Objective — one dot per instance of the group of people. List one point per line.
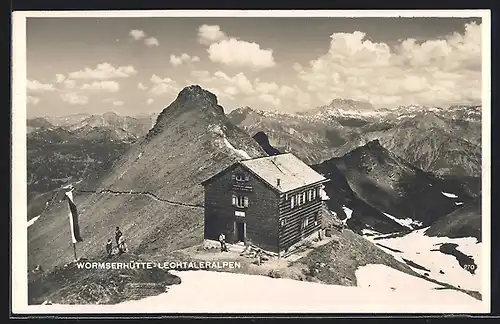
(120, 242)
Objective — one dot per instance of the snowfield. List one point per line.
(418, 247)
(380, 289)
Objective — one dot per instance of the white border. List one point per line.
(19, 198)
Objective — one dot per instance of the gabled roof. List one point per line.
(290, 170)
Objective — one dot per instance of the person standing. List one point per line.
(222, 240)
(109, 247)
(118, 233)
(122, 246)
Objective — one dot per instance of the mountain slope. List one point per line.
(463, 222)
(191, 140)
(385, 193)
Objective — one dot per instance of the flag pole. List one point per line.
(74, 250)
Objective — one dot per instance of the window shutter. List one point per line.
(246, 201)
(233, 176)
(234, 200)
(292, 202)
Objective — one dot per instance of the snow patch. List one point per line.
(366, 231)
(459, 203)
(218, 130)
(406, 222)
(323, 194)
(33, 220)
(416, 247)
(449, 195)
(348, 213)
(240, 152)
(380, 289)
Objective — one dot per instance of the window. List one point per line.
(241, 177)
(316, 218)
(240, 201)
(304, 197)
(305, 222)
(292, 202)
(310, 192)
(283, 222)
(314, 192)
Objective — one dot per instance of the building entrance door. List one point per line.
(240, 231)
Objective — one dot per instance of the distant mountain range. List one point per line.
(444, 141)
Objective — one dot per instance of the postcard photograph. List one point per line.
(251, 162)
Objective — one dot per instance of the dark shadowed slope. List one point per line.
(263, 140)
(463, 222)
(400, 192)
(191, 140)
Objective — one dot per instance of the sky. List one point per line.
(138, 65)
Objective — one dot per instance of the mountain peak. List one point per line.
(192, 99)
(195, 92)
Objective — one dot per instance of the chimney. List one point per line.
(278, 182)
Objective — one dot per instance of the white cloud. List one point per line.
(151, 41)
(60, 78)
(142, 86)
(438, 72)
(150, 101)
(110, 86)
(238, 89)
(141, 35)
(208, 34)
(270, 99)
(297, 67)
(238, 53)
(183, 58)
(104, 71)
(163, 85)
(240, 81)
(118, 103)
(37, 86)
(137, 34)
(33, 100)
(74, 98)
